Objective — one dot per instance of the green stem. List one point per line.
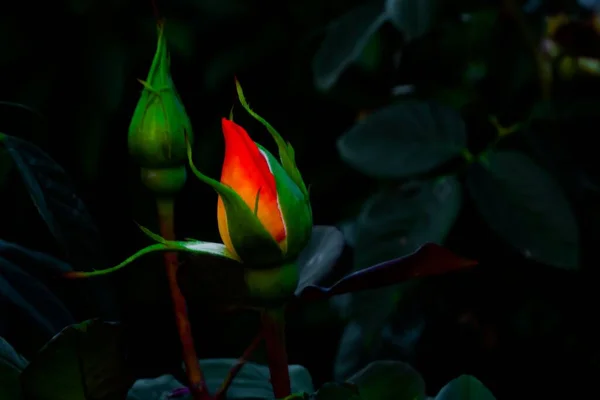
(273, 331)
(196, 382)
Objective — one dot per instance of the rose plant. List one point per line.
(266, 225)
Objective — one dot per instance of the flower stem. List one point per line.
(196, 382)
(222, 392)
(273, 330)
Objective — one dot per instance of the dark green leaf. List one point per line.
(321, 253)
(389, 380)
(31, 307)
(395, 222)
(345, 40)
(403, 140)
(465, 387)
(83, 362)
(11, 366)
(252, 382)
(525, 206)
(54, 197)
(392, 224)
(414, 18)
(35, 274)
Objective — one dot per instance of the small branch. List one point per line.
(222, 392)
(196, 383)
(273, 330)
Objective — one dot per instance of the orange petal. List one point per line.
(245, 170)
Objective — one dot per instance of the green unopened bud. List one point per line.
(158, 129)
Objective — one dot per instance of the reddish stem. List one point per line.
(222, 392)
(273, 330)
(196, 382)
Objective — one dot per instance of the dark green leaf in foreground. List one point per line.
(465, 387)
(54, 197)
(83, 362)
(389, 380)
(404, 140)
(30, 307)
(523, 204)
(345, 40)
(11, 366)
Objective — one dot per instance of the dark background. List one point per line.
(523, 326)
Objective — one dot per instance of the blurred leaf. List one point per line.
(430, 259)
(321, 253)
(414, 18)
(353, 347)
(392, 224)
(404, 140)
(33, 307)
(395, 222)
(389, 380)
(252, 382)
(345, 41)
(525, 206)
(11, 366)
(83, 298)
(83, 362)
(54, 197)
(465, 387)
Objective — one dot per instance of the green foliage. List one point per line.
(83, 362)
(523, 204)
(463, 123)
(404, 140)
(346, 38)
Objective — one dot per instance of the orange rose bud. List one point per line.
(246, 170)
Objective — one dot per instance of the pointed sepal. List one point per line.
(286, 151)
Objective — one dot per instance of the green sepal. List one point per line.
(295, 208)
(286, 151)
(196, 247)
(252, 242)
